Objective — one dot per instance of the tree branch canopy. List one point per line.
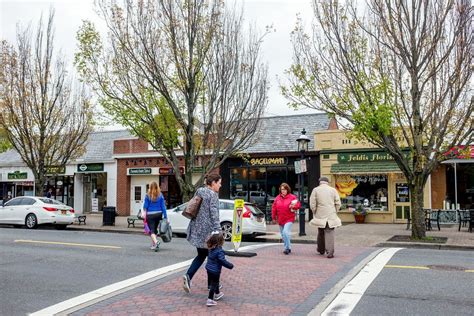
(183, 75)
(45, 117)
(398, 73)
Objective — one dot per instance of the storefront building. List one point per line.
(87, 183)
(138, 165)
(16, 181)
(270, 160)
(365, 176)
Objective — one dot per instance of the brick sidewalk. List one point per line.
(269, 284)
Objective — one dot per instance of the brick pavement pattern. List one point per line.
(269, 284)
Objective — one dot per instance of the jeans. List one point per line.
(197, 262)
(285, 232)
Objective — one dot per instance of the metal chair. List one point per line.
(464, 217)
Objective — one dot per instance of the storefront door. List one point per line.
(137, 198)
(402, 206)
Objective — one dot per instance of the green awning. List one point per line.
(365, 168)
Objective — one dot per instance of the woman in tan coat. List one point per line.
(325, 202)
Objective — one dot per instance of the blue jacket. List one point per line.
(156, 206)
(216, 259)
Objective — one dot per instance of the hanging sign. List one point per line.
(237, 223)
(402, 192)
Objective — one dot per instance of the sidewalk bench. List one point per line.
(80, 218)
(132, 218)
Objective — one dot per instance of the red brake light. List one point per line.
(50, 209)
(246, 213)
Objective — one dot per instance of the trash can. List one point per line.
(108, 216)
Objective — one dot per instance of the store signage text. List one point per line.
(364, 157)
(133, 171)
(53, 170)
(90, 167)
(17, 175)
(268, 161)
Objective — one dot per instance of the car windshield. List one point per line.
(50, 201)
(255, 210)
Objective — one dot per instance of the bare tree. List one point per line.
(45, 118)
(181, 75)
(399, 74)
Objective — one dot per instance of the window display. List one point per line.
(368, 191)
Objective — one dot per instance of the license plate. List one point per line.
(63, 212)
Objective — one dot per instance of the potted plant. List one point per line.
(359, 214)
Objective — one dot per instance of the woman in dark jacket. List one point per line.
(206, 222)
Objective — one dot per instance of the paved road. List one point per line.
(36, 275)
(411, 289)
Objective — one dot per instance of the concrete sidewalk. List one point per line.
(351, 235)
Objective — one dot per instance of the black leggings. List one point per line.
(213, 280)
(153, 221)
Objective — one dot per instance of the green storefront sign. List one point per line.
(134, 171)
(17, 175)
(363, 157)
(90, 167)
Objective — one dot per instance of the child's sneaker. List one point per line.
(218, 296)
(211, 302)
(186, 283)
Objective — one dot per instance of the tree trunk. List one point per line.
(418, 214)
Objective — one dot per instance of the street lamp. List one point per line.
(303, 142)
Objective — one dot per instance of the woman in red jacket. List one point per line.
(283, 210)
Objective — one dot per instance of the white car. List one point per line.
(32, 211)
(253, 219)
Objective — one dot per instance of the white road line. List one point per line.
(122, 285)
(350, 295)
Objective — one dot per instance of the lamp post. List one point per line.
(303, 142)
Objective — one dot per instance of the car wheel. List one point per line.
(31, 221)
(227, 230)
(61, 227)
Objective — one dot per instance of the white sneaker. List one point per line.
(218, 296)
(186, 284)
(211, 302)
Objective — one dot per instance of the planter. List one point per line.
(359, 218)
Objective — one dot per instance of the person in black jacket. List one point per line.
(215, 261)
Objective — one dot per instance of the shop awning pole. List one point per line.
(455, 188)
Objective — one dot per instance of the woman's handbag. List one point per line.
(165, 230)
(192, 208)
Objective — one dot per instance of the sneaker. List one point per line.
(187, 284)
(218, 296)
(286, 252)
(156, 246)
(211, 302)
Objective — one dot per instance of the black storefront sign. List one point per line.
(54, 170)
(402, 192)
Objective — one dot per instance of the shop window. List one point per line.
(325, 156)
(138, 193)
(368, 191)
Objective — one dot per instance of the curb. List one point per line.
(424, 246)
(257, 239)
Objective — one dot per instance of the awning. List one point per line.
(458, 161)
(365, 168)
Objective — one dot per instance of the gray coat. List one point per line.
(207, 219)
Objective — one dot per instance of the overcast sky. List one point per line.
(277, 51)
